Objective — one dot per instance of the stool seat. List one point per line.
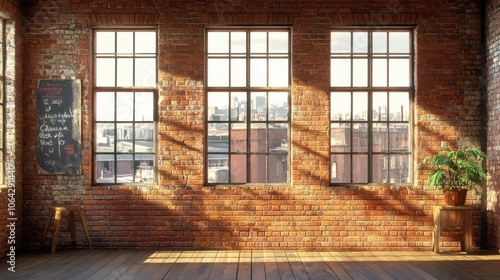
(56, 211)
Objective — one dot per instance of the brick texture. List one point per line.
(308, 213)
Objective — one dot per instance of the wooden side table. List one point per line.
(56, 211)
(453, 216)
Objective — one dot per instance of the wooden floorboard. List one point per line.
(79, 264)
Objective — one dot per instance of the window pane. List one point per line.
(278, 138)
(399, 72)
(278, 42)
(124, 106)
(400, 173)
(340, 134)
(145, 72)
(379, 168)
(259, 107)
(258, 42)
(379, 106)
(379, 72)
(218, 42)
(218, 142)
(380, 141)
(379, 42)
(258, 167)
(144, 133)
(218, 168)
(360, 168)
(239, 107)
(258, 136)
(218, 105)
(399, 42)
(238, 72)
(125, 42)
(278, 72)
(278, 106)
(145, 42)
(105, 42)
(238, 42)
(340, 72)
(105, 169)
(278, 168)
(105, 106)
(258, 72)
(105, 137)
(124, 169)
(218, 72)
(360, 73)
(340, 103)
(360, 106)
(398, 134)
(399, 106)
(238, 168)
(124, 137)
(105, 72)
(360, 137)
(341, 42)
(144, 106)
(360, 42)
(125, 72)
(238, 138)
(343, 165)
(144, 172)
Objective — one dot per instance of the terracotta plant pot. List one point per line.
(455, 197)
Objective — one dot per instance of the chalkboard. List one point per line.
(59, 126)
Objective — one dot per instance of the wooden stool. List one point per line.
(453, 216)
(56, 211)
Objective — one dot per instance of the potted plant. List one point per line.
(455, 172)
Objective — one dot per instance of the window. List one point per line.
(125, 93)
(248, 108)
(370, 105)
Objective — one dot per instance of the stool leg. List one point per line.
(72, 229)
(47, 225)
(84, 226)
(57, 224)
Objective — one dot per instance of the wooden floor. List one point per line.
(146, 264)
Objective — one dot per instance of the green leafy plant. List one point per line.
(455, 170)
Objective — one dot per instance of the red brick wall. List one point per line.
(180, 211)
(12, 236)
(493, 86)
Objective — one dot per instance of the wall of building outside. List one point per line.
(11, 223)
(493, 133)
(307, 213)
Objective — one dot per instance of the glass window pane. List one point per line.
(340, 106)
(278, 106)
(379, 168)
(238, 138)
(218, 168)
(379, 42)
(144, 135)
(105, 42)
(145, 42)
(380, 142)
(399, 106)
(278, 138)
(278, 72)
(124, 106)
(379, 72)
(360, 137)
(360, 72)
(399, 72)
(105, 137)
(145, 72)
(105, 106)
(399, 42)
(258, 167)
(259, 107)
(341, 42)
(258, 42)
(125, 42)
(239, 107)
(238, 42)
(125, 72)
(218, 42)
(238, 168)
(258, 72)
(400, 173)
(278, 168)
(218, 106)
(399, 137)
(124, 138)
(360, 106)
(218, 72)
(360, 169)
(340, 72)
(258, 138)
(340, 137)
(343, 168)
(278, 42)
(144, 106)
(379, 106)
(124, 169)
(105, 169)
(218, 142)
(105, 72)
(144, 172)
(238, 72)
(360, 42)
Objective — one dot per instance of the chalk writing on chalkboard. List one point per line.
(59, 128)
